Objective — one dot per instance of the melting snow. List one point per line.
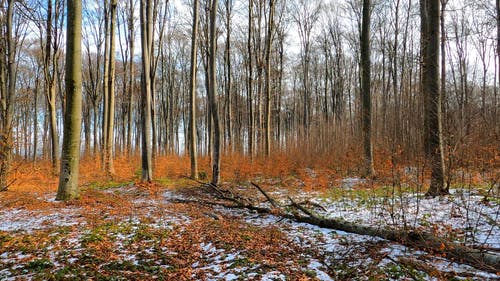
(24, 220)
(464, 213)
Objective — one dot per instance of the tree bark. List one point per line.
(268, 77)
(192, 96)
(430, 87)
(105, 84)
(366, 110)
(146, 30)
(68, 181)
(250, 80)
(35, 121)
(110, 112)
(8, 88)
(50, 86)
(131, 80)
(228, 78)
(212, 93)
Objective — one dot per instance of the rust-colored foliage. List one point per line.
(296, 168)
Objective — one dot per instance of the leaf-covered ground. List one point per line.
(155, 232)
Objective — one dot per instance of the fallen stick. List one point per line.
(483, 260)
(271, 200)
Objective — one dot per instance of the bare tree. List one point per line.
(159, 17)
(129, 71)
(212, 93)
(127, 55)
(109, 111)
(146, 43)
(105, 83)
(131, 80)
(269, 40)
(250, 80)
(228, 128)
(7, 92)
(93, 40)
(429, 13)
(365, 67)
(192, 95)
(50, 74)
(68, 181)
(305, 14)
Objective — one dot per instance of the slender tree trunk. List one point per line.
(306, 105)
(86, 128)
(50, 86)
(250, 79)
(268, 77)
(280, 87)
(430, 87)
(54, 136)
(192, 95)
(153, 65)
(131, 80)
(326, 49)
(105, 84)
(443, 76)
(229, 128)
(8, 87)
(35, 122)
(395, 88)
(146, 22)
(95, 109)
(110, 112)
(365, 90)
(212, 93)
(68, 181)
(154, 133)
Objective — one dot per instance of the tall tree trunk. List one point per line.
(68, 181)
(192, 95)
(8, 88)
(430, 86)
(110, 112)
(153, 66)
(443, 79)
(250, 79)
(365, 90)
(105, 84)
(228, 81)
(146, 34)
(131, 80)
(50, 86)
(268, 77)
(229, 128)
(212, 93)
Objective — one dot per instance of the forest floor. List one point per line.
(131, 231)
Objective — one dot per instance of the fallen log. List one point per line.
(477, 258)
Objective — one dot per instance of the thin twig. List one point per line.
(271, 200)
